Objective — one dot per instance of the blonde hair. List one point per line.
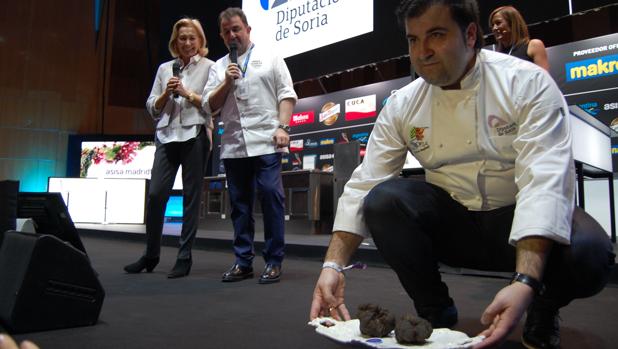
(187, 22)
(519, 28)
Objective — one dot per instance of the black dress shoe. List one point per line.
(271, 274)
(142, 263)
(237, 273)
(542, 328)
(180, 269)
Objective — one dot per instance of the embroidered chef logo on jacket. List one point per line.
(501, 127)
(417, 139)
(256, 63)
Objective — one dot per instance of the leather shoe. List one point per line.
(542, 328)
(237, 273)
(271, 274)
(180, 269)
(142, 263)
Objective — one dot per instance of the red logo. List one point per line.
(302, 118)
(296, 145)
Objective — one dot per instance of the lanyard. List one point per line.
(243, 68)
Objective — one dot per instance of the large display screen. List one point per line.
(587, 73)
(119, 159)
(291, 27)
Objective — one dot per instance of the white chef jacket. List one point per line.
(179, 120)
(504, 138)
(250, 112)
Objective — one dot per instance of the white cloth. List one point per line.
(179, 120)
(503, 138)
(250, 113)
(348, 332)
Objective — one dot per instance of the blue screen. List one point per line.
(174, 207)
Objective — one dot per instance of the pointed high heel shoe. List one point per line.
(181, 268)
(142, 263)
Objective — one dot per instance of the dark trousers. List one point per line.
(244, 176)
(415, 225)
(193, 156)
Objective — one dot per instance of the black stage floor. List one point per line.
(199, 311)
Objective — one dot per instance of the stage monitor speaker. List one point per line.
(46, 284)
(347, 159)
(50, 215)
(8, 206)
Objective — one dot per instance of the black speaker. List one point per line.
(46, 284)
(347, 159)
(8, 206)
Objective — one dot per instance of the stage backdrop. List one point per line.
(321, 121)
(587, 73)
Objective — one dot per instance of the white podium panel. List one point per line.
(591, 140)
(91, 200)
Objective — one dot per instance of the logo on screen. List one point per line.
(360, 108)
(362, 137)
(610, 106)
(591, 108)
(327, 141)
(592, 68)
(310, 143)
(296, 145)
(302, 118)
(276, 3)
(329, 113)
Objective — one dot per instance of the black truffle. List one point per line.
(412, 330)
(375, 321)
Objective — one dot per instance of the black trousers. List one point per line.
(415, 225)
(193, 156)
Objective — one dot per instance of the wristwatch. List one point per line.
(191, 97)
(535, 284)
(286, 128)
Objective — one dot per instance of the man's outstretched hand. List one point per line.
(504, 313)
(328, 296)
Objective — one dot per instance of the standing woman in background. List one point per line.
(511, 34)
(183, 137)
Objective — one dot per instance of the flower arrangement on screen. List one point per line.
(118, 152)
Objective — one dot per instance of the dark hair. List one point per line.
(463, 12)
(232, 12)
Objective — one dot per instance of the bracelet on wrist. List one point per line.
(333, 265)
(537, 286)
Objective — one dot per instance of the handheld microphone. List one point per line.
(234, 52)
(176, 73)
